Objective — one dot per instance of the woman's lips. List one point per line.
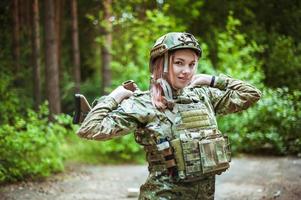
(183, 79)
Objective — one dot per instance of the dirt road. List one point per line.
(251, 178)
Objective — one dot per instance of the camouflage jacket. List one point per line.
(108, 119)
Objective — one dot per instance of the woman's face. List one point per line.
(183, 67)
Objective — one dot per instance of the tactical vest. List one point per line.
(197, 148)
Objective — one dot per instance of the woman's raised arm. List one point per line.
(108, 119)
(231, 95)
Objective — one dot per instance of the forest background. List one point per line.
(51, 49)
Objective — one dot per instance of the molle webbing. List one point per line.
(197, 124)
(191, 157)
(176, 144)
(155, 159)
(191, 113)
(194, 119)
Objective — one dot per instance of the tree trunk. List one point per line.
(106, 46)
(21, 14)
(57, 20)
(36, 54)
(51, 61)
(27, 16)
(75, 46)
(16, 37)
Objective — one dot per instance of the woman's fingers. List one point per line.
(120, 93)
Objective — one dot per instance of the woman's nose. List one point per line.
(186, 70)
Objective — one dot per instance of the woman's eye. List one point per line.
(179, 63)
(192, 65)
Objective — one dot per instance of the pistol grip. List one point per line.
(82, 108)
(76, 117)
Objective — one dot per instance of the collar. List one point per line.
(177, 93)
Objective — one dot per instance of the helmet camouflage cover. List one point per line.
(172, 41)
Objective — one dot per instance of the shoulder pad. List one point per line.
(200, 92)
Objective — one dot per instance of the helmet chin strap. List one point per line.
(165, 65)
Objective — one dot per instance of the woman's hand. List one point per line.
(120, 93)
(201, 79)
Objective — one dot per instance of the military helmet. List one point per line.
(172, 41)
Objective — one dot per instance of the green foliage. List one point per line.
(184, 11)
(119, 150)
(8, 97)
(131, 51)
(283, 66)
(75, 149)
(205, 65)
(33, 147)
(30, 146)
(236, 55)
(272, 126)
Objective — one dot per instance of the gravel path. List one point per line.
(251, 178)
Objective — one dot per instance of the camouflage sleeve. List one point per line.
(231, 95)
(107, 120)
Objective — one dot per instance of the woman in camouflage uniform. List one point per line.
(174, 121)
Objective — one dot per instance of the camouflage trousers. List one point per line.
(160, 188)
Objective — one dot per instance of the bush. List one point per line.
(283, 63)
(31, 146)
(8, 98)
(237, 56)
(272, 126)
(119, 150)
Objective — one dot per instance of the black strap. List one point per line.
(212, 81)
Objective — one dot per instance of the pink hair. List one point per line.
(157, 94)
